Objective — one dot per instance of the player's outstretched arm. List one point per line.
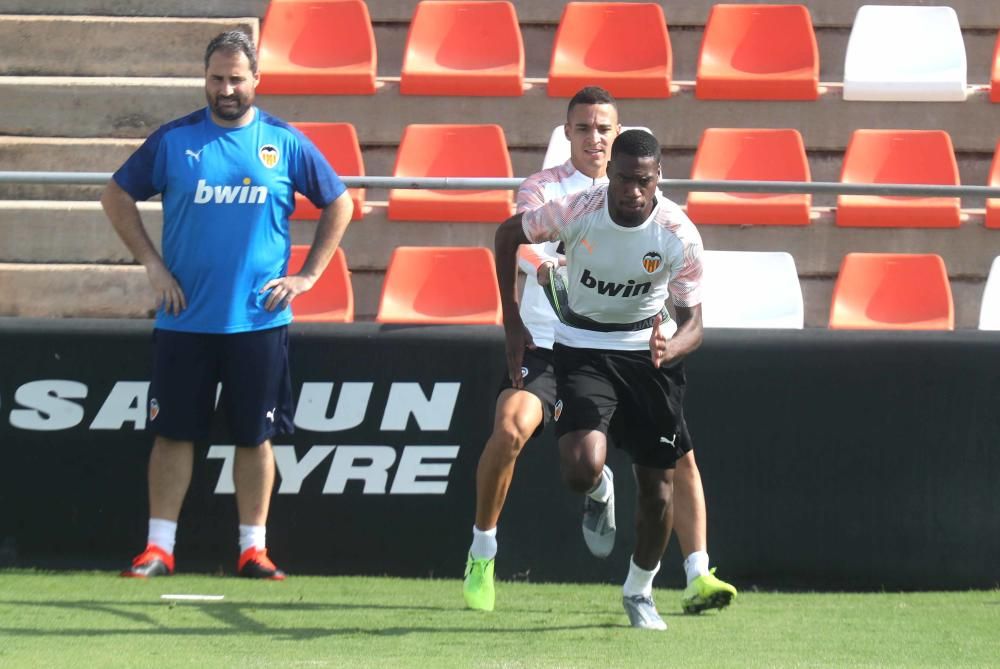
(121, 210)
(687, 338)
(509, 236)
(333, 222)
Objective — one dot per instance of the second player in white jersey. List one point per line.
(548, 185)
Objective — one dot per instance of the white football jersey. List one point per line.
(618, 274)
(541, 187)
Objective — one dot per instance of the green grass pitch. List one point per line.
(95, 619)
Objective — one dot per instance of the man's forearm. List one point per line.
(123, 213)
(333, 222)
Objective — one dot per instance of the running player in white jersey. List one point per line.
(591, 126)
(617, 354)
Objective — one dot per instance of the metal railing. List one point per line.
(484, 183)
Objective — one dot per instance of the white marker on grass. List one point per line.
(194, 598)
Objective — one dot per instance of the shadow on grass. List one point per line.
(235, 617)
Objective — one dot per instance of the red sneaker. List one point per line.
(154, 561)
(254, 563)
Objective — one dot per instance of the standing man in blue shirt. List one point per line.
(227, 174)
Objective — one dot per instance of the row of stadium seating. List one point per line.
(742, 289)
(748, 52)
(873, 156)
(83, 109)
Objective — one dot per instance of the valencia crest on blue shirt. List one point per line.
(269, 155)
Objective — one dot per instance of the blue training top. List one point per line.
(227, 196)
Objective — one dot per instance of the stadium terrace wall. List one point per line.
(837, 460)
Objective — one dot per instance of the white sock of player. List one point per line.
(484, 543)
(162, 533)
(696, 565)
(252, 536)
(602, 491)
(639, 581)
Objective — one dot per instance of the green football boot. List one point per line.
(478, 587)
(707, 592)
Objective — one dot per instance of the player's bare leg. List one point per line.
(689, 506)
(582, 456)
(704, 590)
(518, 414)
(169, 475)
(253, 477)
(653, 518)
(170, 464)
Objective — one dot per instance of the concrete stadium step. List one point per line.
(971, 13)
(78, 232)
(75, 290)
(110, 46)
(122, 291)
(193, 8)
(134, 107)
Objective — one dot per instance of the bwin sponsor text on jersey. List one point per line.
(629, 289)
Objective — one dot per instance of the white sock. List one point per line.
(162, 533)
(602, 491)
(696, 565)
(484, 543)
(252, 536)
(639, 581)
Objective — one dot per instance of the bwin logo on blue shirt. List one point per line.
(245, 194)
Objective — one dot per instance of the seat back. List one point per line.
(443, 150)
(995, 73)
(989, 308)
(338, 142)
(331, 298)
(901, 157)
(750, 154)
(758, 52)
(747, 289)
(892, 291)
(319, 47)
(443, 285)
(588, 50)
(905, 53)
(993, 203)
(456, 47)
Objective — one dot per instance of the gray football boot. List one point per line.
(599, 521)
(642, 613)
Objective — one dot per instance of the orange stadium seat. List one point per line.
(899, 157)
(758, 52)
(588, 50)
(331, 299)
(463, 48)
(452, 151)
(443, 285)
(742, 154)
(319, 47)
(892, 291)
(995, 73)
(993, 203)
(338, 142)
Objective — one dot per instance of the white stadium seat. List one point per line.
(751, 289)
(558, 151)
(989, 309)
(905, 53)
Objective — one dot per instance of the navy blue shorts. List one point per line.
(256, 397)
